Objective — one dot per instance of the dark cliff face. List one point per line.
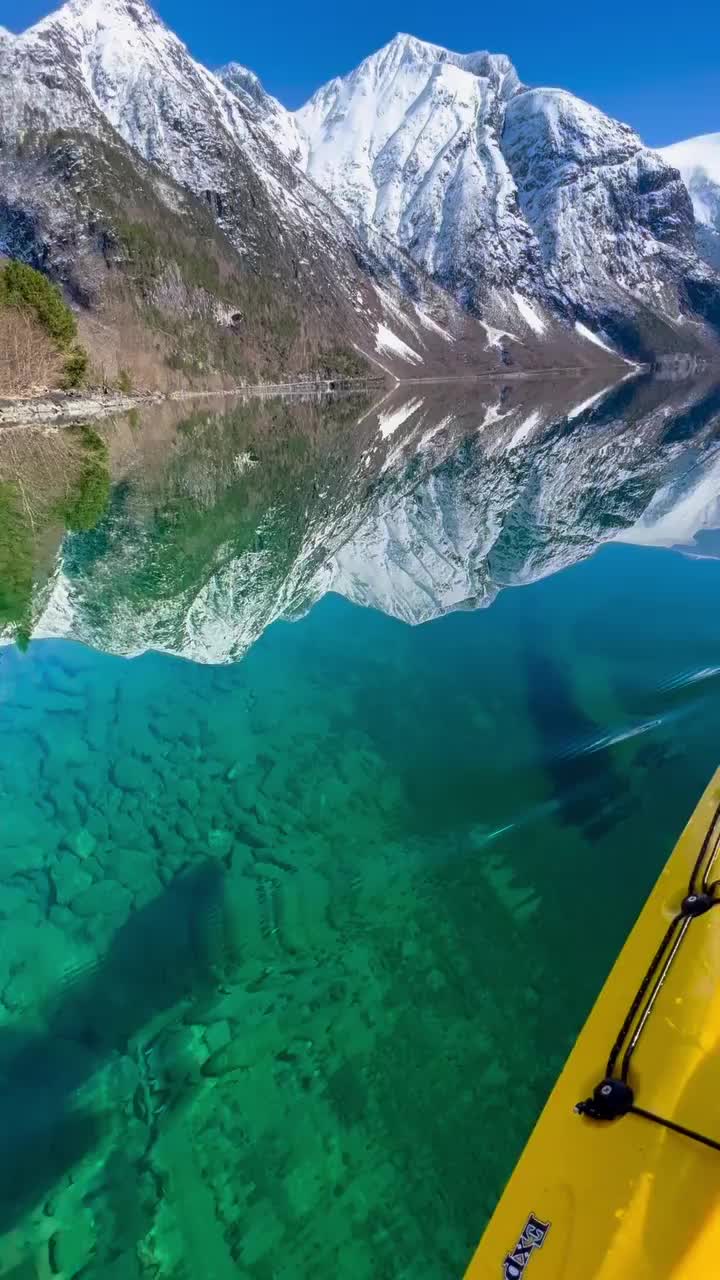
(613, 222)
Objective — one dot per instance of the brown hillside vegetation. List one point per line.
(38, 331)
(165, 299)
(29, 359)
(160, 295)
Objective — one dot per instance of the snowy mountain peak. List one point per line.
(396, 143)
(275, 119)
(79, 15)
(143, 81)
(236, 76)
(114, 40)
(482, 64)
(409, 49)
(406, 55)
(500, 192)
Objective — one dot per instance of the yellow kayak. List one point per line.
(620, 1179)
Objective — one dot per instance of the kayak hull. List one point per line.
(613, 1199)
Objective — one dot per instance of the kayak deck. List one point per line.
(594, 1199)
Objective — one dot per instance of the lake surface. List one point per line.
(302, 906)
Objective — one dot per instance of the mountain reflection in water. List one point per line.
(432, 500)
(292, 947)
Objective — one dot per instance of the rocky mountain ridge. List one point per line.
(490, 227)
(121, 155)
(526, 203)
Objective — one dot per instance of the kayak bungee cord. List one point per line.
(614, 1096)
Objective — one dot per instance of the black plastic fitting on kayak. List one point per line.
(696, 904)
(611, 1099)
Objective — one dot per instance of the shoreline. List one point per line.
(62, 408)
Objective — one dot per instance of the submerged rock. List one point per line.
(104, 898)
(129, 774)
(85, 843)
(73, 1246)
(69, 878)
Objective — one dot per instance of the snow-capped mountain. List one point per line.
(526, 203)
(409, 144)
(110, 72)
(698, 160)
(111, 67)
(426, 213)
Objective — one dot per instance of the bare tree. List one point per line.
(29, 359)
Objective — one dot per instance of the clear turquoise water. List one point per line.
(293, 948)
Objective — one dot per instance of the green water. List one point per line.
(300, 919)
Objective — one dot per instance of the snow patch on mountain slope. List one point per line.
(492, 414)
(425, 441)
(392, 306)
(529, 315)
(495, 336)
(427, 322)
(388, 343)
(589, 336)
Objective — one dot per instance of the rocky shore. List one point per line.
(65, 406)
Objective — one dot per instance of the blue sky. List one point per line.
(654, 65)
